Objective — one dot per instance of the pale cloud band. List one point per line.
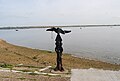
(58, 12)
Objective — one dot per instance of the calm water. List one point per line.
(94, 43)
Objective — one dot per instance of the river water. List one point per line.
(101, 43)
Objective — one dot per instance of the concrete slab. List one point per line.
(94, 75)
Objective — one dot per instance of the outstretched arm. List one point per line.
(51, 29)
(67, 31)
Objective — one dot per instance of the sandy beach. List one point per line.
(32, 60)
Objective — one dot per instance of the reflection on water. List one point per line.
(98, 43)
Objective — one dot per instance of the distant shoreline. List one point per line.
(32, 27)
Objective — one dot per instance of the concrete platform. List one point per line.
(94, 75)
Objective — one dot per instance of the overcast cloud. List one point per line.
(59, 12)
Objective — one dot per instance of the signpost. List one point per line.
(58, 47)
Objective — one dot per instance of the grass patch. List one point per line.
(25, 70)
(5, 77)
(32, 79)
(6, 65)
(30, 66)
(21, 78)
(33, 74)
(49, 51)
(34, 57)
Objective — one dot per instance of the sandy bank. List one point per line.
(12, 54)
(32, 58)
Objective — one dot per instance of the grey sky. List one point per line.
(59, 12)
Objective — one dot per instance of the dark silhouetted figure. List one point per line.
(58, 47)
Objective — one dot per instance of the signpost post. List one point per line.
(58, 47)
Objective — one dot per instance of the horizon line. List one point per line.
(44, 26)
